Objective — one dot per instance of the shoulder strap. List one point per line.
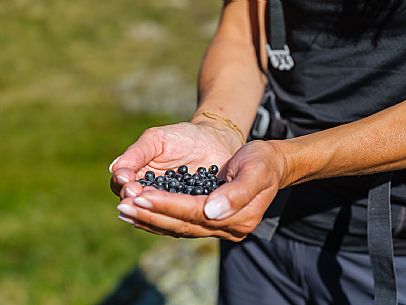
(277, 48)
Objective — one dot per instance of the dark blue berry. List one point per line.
(170, 173)
(190, 181)
(160, 179)
(187, 176)
(221, 182)
(206, 191)
(197, 190)
(173, 183)
(149, 175)
(201, 170)
(179, 177)
(199, 183)
(188, 190)
(182, 169)
(212, 177)
(208, 183)
(172, 190)
(213, 169)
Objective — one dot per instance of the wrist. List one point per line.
(287, 153)
(302, 162)
(227, 137)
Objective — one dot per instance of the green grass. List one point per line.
(60, 127)
(60, 240)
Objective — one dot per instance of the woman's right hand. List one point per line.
(167, 147)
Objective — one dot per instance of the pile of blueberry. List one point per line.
(203, 182)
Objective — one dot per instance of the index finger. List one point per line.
(181, 206)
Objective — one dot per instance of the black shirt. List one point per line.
(347, 67)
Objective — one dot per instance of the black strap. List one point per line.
(277, 30)
(380, 242)
(277, 48)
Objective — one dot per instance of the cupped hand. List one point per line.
(254, 175)
(167, 147)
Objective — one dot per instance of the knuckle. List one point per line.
(245, 193)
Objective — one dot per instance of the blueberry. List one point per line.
(190, 181)
(196, 176)
(166, 186)
(149, 175)
(170, 173)
(182, 169)
(199, 183)
(173, 183)
(145, 182)
(202, 176)
(188, 190)
(221, 182)
(208, 183)
(159, 179)
(171, 190)
(179, 177)
(206, 191)
(181, 187)
(201, 170)
(212, 177)
(198, 190)
(160, 187)
(187, 176)
(213, 169)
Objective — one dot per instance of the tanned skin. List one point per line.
(231, 83)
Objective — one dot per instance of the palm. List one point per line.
(187, 144)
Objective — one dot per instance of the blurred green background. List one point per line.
(64, 117)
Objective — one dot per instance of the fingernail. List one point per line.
(142, 202)
(122, 180)
(126, 219)
(129, 193)
(128, 210)
(112, 164)
(217, 208)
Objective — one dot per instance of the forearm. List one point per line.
(371, 145)
(231, 82)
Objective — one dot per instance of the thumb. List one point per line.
(139, 154)
(233, 196)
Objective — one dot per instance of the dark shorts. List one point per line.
(285, 271)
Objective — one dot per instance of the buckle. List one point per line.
(280, 59)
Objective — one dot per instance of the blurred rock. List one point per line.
(148, 31)
(159, 91)
(184, 270)
(179, 4)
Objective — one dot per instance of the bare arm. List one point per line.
(371, 145)
(231, 82)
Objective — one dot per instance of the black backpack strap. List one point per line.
(277, 48)
(380, 242)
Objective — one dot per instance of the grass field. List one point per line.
(61, 125)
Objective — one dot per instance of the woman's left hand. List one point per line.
(254, 175)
